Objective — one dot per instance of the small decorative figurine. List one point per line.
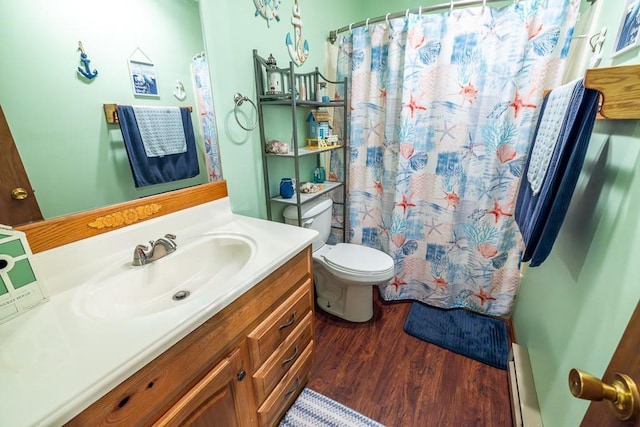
(273, 77)
(298, 49)
(86, 71)
(268, 9)
(320, 130)
(179, 91)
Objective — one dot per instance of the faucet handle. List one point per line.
(172, 239)
(140, 255)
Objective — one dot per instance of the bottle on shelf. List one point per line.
(321, 92)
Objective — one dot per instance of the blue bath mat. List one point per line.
(312, 409)
(479, 337)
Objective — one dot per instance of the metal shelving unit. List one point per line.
(291, 98)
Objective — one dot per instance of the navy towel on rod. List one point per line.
(157, 170)
(539, 214)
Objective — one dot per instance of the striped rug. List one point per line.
(311, 409)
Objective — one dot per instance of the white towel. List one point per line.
(551, 123)
(161, 130)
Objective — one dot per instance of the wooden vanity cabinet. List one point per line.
(242, 367)
(218, 400)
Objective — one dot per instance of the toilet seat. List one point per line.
(358, 263)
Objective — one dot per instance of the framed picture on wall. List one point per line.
(144, 78)
(628, 32)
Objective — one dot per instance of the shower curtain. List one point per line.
(442, 108)
(204, 97)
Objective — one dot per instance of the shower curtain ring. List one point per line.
(351, 28)
(451, 7)
(484, 5)
(420, 11)
(367, 23)
(406, 14)
(386, 18)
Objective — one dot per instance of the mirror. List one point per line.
(74, 160)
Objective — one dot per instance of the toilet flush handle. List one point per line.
(308, 222)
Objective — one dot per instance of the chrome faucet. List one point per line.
(160, 248)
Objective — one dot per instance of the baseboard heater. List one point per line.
(525, 410)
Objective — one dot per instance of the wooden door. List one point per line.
(14, 184)
(625, 360)
(220, 399)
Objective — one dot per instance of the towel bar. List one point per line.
(111, 113)
(620, 88)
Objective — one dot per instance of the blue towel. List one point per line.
(156, 170)
(552, 121)
(540, 216)
(161, 130)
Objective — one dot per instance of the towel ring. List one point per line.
(239, 99)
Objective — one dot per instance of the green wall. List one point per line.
(74, 160)
(231, 32)
(572, 310)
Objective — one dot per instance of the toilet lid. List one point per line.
(358, 259)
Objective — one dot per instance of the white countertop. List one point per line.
(56, 360)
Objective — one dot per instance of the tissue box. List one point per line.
(19, 287)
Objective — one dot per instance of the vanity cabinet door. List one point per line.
(219, 399)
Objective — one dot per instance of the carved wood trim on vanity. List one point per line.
(51, 233)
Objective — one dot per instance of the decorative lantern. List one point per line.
(273, 77)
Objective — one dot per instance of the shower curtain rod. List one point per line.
(333, 34)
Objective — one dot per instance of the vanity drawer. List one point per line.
(287, 390)
(264, 339)
(272, 371)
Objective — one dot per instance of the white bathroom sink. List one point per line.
(202, 266)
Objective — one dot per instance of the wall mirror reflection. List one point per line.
(72, 157)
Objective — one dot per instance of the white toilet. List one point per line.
(344, 274)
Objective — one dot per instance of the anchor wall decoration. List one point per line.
(268, 9)
(86, 71)
(298, 49)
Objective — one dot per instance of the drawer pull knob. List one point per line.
(295, 387)
(241, 375)
(292, 358)
(289, 323)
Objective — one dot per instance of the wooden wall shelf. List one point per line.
(620, 88)
(111, 113)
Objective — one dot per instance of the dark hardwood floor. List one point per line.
(382, 372)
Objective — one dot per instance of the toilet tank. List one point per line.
(316, 215)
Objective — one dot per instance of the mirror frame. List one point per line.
(55, 232)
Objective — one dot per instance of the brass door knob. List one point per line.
(19, 193)
(622, 393)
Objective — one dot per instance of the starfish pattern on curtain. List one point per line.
(442, 109)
